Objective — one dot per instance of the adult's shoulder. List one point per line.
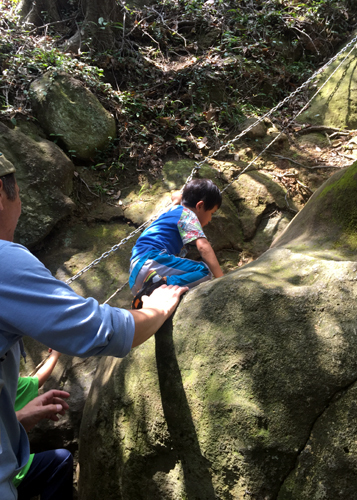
(10, 250)
(14, 256)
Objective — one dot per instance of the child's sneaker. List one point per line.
(151, 282)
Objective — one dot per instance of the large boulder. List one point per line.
(45, 176)
(335, 105)
(70, 113)
(244, 221)
(226, 401)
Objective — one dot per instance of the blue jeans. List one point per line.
(50, 476)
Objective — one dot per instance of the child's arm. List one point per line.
(176, 197)
(209, 257)
(45, 371)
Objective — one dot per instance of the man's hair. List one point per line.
(9, 185)
(201, 190)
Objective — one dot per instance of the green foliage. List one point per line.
(180, 71)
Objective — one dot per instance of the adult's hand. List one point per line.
(164, 299)
(156, 310)
(47, 406)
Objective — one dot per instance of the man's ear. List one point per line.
(200, 205)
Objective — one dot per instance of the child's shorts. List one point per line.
(182, 272)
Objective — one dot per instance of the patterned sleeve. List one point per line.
(189, 227)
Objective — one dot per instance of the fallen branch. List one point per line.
(86, 185)
(339, 133)
(346, 156)
(51, 24)
(319, 128)
(304, 166)
(287, 203)
(305, 187)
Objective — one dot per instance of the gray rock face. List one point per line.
(44, 174)
(329, 459)
(70, 112)
(240, 395)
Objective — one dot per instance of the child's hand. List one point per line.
(54, 354)
(176, 197)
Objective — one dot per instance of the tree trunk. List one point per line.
(98, 31)
(101, 20)
(38, 12)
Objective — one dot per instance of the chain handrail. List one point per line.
(118, 290)
(290, 121)
(269, 113)
(223, 148)
(113, 249)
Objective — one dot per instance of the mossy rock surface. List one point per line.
(226, 397)
(71, 114)
(328, 222)
(253, 195)
(73, 248)
(326, 467)
(336, 104)
(45, 177)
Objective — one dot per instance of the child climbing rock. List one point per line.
(158, 255)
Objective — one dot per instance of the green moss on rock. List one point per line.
(329, 219)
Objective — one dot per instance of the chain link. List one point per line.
(218, 151)
(116, 292)
(292, 120)
(269, 113)
(117, 246)
(109, 252)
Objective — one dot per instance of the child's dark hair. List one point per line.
(201, 190)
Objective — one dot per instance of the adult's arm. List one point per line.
(36, 304)
(47, 406)
(156, 310)
(209, 257)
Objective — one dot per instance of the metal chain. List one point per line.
(116, 292)
(214, 154)
(109, 252)
(117, 246)
(292, 120)
(269, 113)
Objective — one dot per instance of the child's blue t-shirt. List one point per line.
(170, 232)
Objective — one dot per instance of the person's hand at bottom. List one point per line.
(47, 406)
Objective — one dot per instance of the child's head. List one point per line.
(201, 190)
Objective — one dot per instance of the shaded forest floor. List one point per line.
(181, 77)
